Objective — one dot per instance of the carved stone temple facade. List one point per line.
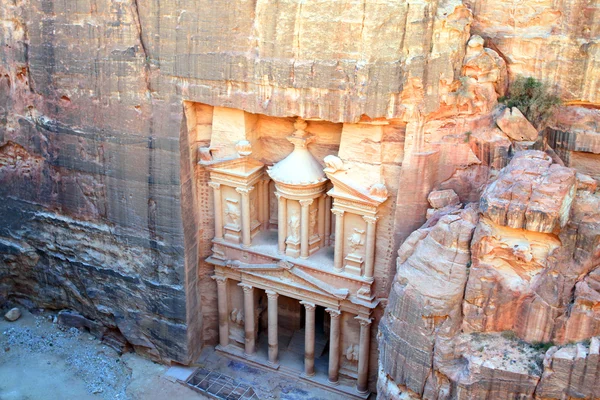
(294, 253)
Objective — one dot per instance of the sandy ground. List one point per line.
(41, 360)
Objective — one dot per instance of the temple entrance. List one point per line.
(292, 335)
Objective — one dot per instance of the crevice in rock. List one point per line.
(138, 23)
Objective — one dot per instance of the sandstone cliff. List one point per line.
(512, 279)
(104, 209)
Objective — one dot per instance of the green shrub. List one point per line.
(532, 97)
(542, 346)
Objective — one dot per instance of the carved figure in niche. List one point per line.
(237, 316)
(294, 227)
(356, 240)
(232, 212)
(351, 353)
(313, 222)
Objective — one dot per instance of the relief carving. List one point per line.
(355, 241)
(237, 316)
(232, 212)
(313, 222)
(294, 227)
(351, 353)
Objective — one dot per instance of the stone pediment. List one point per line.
(239, 167)
(285, 273)
(348, 190)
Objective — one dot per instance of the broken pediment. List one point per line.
(287, 274)
(345, 187)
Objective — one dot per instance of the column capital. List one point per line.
(338, 212)
(219, 279)
(370, 219)
(334, 314)
(214, 185)
(306, 203)
(308, 306)
(271, 294)
(363, 321)
(279, 196)
(244, 191)
(245, 286)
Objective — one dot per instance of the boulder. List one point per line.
(514, 124)
(13, 314)
(443, 198)
(531, 193)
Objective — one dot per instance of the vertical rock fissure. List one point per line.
(138, 23)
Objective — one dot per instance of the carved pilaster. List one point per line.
(304, 227)
(245, 194)
(282, 222)
(339, 240)
(370, 246)
(218, 206)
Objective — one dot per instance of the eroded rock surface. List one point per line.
(530, 279)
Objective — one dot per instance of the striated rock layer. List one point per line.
(104, 210)
(472, 316)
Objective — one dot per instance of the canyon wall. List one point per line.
(105, 210)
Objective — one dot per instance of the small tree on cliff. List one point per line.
(533, 98)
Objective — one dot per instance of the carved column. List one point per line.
(327, 215)
(282, 221)
(370, 246)
(265, 204)
(218, 210)
(334, 345)
(322, 220)
(248, 318)
(261, 199)
(223, 309)
(245, 193)
(338, 257)
(304, 226)
(272, 314)
(309, 339)
(363, 354)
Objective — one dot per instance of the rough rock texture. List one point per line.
(574, 133)
(13, 314)
(531, 193)
(514, 124)
(528, 269)
(571, 372)
(424, 310)
(549, 40)
(105, 211)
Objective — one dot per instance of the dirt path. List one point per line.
(41, 360)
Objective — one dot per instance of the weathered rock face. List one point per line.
(104, 209)
(531, 193)
(574, 133)
(530, 272)
(571, 372)
(531, 33)
(424, 309)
